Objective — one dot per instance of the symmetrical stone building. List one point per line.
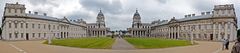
(138, 28)
(219, 24)
(18, 25)
(99, 28)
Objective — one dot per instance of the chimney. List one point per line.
(189, 15)
(29, 12)
(193, 14)
(185, 16)
(36, 13)
(202, 13)
(45, 14)
(208, 13)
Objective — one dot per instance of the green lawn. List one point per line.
(145, 43)
(97, 43)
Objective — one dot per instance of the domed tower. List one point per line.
(100, 19)
(136, 19)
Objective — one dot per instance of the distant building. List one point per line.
(219, 24)
(138, 28)
(99, 28)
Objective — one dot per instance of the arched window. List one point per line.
(10, 35)
(26, 25)
(10, 25)
(15, 25)
(21, 25)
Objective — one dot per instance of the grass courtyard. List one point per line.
(147, 43)
(91, 42)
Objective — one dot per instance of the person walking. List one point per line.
(236, 47)
(227, 44)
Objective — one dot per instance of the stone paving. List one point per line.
(121, 44)
(38, 47)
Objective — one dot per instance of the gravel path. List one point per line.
(121, 44)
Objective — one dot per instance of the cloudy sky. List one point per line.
(119, 13)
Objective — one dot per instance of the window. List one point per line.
(58, 27)
(216, 36)
(39, 34)
(199, 35)
(32, 25)
(15, 25)
(10, 35)
(21, 11)
(223, 12)
(222, 36)
(212, 26)
(16, 35)
(26, 25)
(49, 27)
(10, 25)
(44, 26)
(44, 35)
(206, 27)
(15, 10)
(199, 26)
(21, 35)
(21, 25)
(38, 26)
(205, 35)
(33, 34)
(9, 10)
(53, 26)
(222, 26)
(228, 36)
(229, 25)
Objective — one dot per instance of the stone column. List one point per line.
(225, 30)
(178, 33)
(219, 31)
(231, 32)
(171, 32)
(214, 32)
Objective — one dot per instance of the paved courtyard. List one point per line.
(38, 47)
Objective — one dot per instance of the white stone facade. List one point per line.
(18, 25)
(138, 28)
(99, 28)
(219, 24)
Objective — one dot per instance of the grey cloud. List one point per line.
(113, 8)
(79, 15)
(203, 5)
(162, 1)
(43, 2)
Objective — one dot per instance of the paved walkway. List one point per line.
(121, 44)
(38, 47)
